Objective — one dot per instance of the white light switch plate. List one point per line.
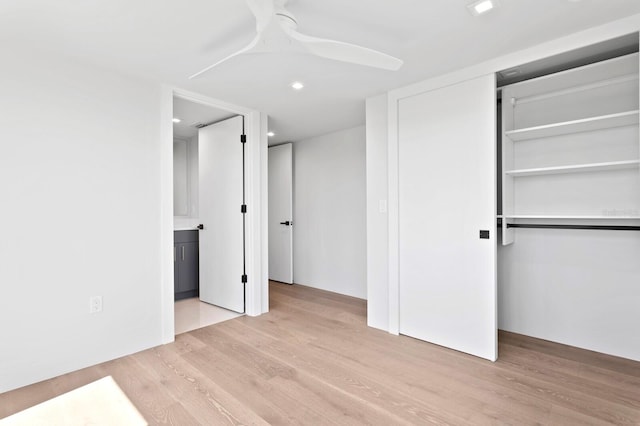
(95, 304)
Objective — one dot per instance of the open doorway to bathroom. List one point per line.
(197, 266)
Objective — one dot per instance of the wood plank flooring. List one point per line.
(313, 361)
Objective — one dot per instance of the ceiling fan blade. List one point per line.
(245, 49)
(345, 52)
(263, 10)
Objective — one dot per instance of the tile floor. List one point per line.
(191, 314)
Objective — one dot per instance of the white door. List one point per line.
(281, 213)
(220, 190)
(447, 197)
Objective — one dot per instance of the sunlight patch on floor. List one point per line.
(99, 403)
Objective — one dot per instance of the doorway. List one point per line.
(256, 300)
(208, 225)
(281, 213)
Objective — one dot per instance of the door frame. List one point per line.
(257, 287)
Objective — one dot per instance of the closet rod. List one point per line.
(598, 227)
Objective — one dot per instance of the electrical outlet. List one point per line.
(95, 304)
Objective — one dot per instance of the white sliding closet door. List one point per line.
(447, 195)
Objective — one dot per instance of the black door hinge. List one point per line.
(244, 278)
(243, 208)
(243, 138)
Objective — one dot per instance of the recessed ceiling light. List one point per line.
(477, 8)
(296, 85)
(271, 134)
(176, 120)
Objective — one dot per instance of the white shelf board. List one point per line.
(593, 167)
(576, 77)
(534, 216)
(579, 88)
(627, 118)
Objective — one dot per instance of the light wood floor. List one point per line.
(312, 360)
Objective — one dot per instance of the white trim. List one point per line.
(574, 41)
(393, 210)
(166, 216)
(264, 203)
(257, 290)
(205, 100)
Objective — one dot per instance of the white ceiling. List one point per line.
(168, 40)
(192, 115)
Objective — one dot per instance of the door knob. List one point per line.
(286, 223)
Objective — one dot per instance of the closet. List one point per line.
(569, 168)
(570, 148)
(515, 204)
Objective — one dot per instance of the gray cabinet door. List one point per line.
(186, 264)
(188, 270)
(176, 268)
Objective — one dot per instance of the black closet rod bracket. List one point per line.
(588, 227)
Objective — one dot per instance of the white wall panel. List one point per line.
(80, 184)
(329, 216)
(377, 217)
(579, 288)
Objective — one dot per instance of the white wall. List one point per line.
(329, 213)
(377, 220)
(575, 287)
(80, 185)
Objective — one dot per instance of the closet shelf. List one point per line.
(593, 167)
(626, 118)
(581, 217)
(626, 78)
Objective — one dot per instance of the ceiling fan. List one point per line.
(276, 26)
